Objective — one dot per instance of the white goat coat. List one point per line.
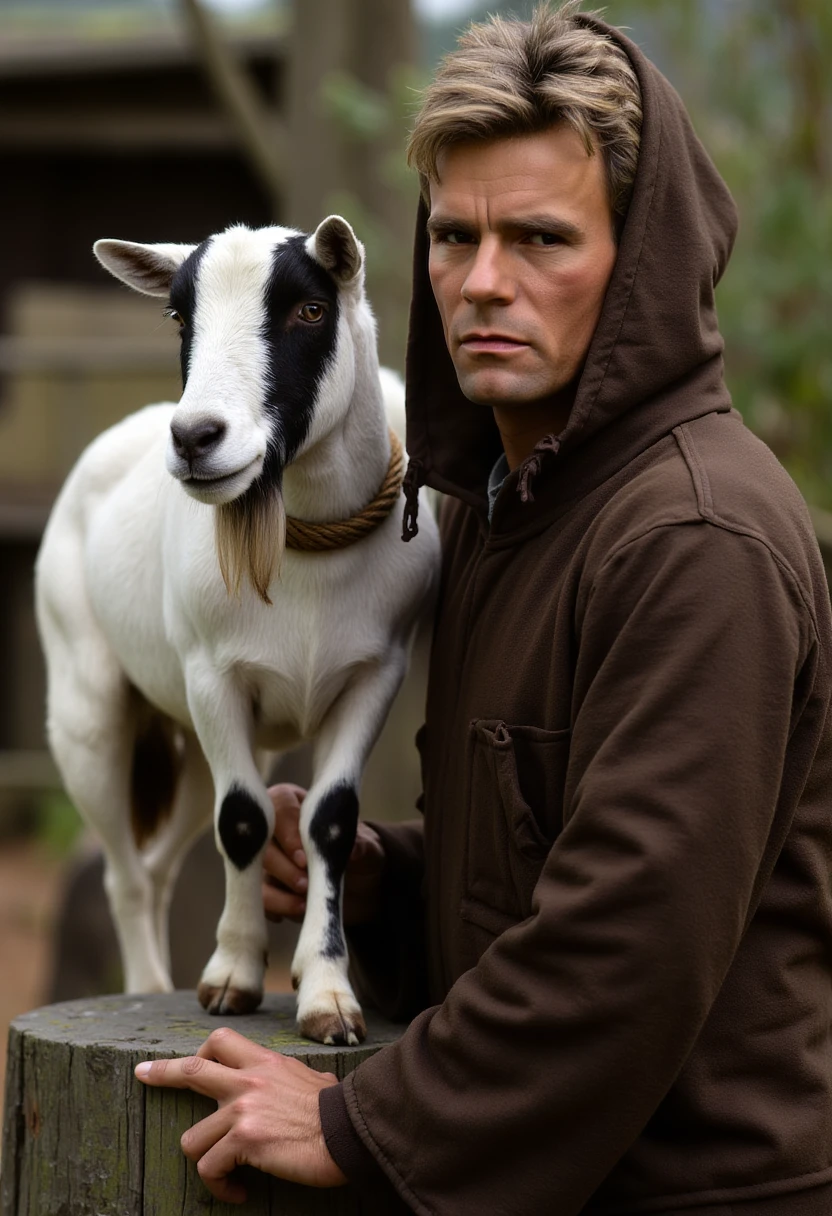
(155, 591)
(135, 619)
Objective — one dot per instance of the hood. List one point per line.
(656, 356)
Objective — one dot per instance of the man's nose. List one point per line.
(488, 277)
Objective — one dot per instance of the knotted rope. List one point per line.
(531, 466)
(318, 537)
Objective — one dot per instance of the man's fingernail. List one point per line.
(299, 857)
(142, 1070)
(301, 884)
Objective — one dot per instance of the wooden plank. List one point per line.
(22, 521)
(68, 54)
(87, 355)
(121, 129)
(28, 770)
(13, 1131)
(240, 99)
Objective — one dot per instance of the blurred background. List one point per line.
(169, 119)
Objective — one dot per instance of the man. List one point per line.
(621, 971)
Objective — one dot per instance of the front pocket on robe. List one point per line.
(515, 811)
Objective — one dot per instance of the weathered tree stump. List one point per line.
(83, 1137)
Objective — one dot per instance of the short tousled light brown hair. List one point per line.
(511, 77)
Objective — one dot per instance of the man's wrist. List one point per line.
(330, 1172)
(344, 1146)
(325, 1170)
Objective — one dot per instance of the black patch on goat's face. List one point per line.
(242, 827)
(183, 301)
(299, 351)
(332, 831)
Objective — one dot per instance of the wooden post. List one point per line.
(365, 39)
(240, 99)
(83, 1137)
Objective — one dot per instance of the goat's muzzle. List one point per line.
(193, 442)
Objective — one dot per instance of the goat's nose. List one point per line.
(197, 439)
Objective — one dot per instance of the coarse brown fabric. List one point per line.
(627, 775)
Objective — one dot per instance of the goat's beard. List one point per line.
(250, 536)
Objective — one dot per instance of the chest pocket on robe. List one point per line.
(516, 777)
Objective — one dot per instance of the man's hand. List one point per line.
(267, 1114)
(284, 862)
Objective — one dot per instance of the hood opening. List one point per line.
(657, 342)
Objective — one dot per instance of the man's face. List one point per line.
(521, 251)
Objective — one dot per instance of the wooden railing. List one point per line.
(28, 770)
(87, 356)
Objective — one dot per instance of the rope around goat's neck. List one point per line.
(318, 537)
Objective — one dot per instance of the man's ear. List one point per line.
(146, 268)
(336, 247)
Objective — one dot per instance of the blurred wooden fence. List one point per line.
(61, 390)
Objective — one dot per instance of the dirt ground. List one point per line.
(30, 887)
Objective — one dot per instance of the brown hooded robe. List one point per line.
(623, 954)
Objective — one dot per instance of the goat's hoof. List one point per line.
(337, 1028)
(225, 1000)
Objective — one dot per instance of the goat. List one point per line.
(182, 634)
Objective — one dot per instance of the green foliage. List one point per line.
(367, 116)
(361, 112)
(755, 76)
(376, 124)
(58, 824)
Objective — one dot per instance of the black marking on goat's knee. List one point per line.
(332, 831)
(242, 827)
(333, 828)
(183, 299)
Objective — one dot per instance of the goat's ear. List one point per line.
(146, 268)
(338, 249)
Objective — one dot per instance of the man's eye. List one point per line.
(545, 238)
(455, 238)
(313, 313)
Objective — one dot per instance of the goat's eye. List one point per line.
(175, 316)
(312, 313)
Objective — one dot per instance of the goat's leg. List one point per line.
(91, 728)
(165, 853)
(232, 981)
(327, 1008)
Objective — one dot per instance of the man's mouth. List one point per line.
(485, 343)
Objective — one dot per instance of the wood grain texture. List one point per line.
(82, 1137)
